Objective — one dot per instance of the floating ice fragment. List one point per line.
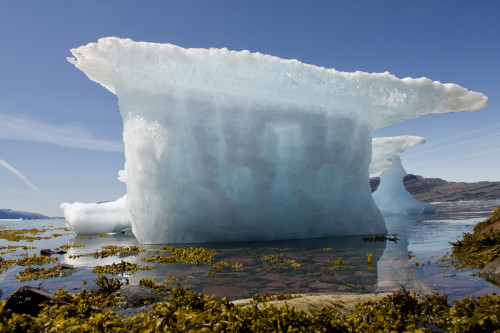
(97, 218)
(391, 196)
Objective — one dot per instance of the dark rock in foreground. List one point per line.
(28, 300)
(439, 190)
(491, 271)
(49, 252)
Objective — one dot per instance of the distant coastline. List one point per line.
(9, 214)
(439, 190)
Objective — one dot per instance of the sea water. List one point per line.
(420, 239)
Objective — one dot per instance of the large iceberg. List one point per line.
(391, 196)
(230, 146)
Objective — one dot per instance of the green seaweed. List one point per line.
(219, 266)
(380, 238)
(32, 273)
(108, 251)
(279, 261)
(185, 255)
(188, 311)
(124, 267)
(27, 235)
(480, 247)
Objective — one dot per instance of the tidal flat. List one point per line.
(410, 256)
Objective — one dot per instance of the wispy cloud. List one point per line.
(28, 129)
(19, 175)
(481, 138)
(487, 129)
(475, 154)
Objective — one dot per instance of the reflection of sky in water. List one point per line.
(314, 275)
(421, 236)
(8, 283)
(432, 237)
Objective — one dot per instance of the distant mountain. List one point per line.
(439, 190)
(15, 214)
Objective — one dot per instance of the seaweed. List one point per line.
(188, 311)
(185, 255)
(278, 261)
(480, 247)
(124, 267)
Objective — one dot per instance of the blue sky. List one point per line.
(61, 134)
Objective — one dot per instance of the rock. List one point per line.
(491, 271)
(133, 312)
(64, 266)
(65, 269)
(345, 303)
(28, 300)
(134, 296)
(49, 252)
(491, 228)
(46, 252)
(125, 254)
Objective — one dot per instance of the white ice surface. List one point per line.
(384, 148)
(230, 146)
(97, 218)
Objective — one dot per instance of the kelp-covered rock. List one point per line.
(185, 311)
(482, 246)
(33, 273)
(134, 296)
(28, 300)
(491, 271)
(344, 303)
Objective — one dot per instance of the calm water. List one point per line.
(421, 239)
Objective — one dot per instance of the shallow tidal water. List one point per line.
(326, 265)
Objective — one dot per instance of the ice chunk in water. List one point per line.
(391, 196)
(97, 218)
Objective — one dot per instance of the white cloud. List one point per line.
(27, 129)
(18, 174)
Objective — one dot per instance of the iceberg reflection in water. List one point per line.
(267, 266)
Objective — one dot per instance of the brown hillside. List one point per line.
(439, 190)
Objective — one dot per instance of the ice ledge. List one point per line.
(379, 98)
